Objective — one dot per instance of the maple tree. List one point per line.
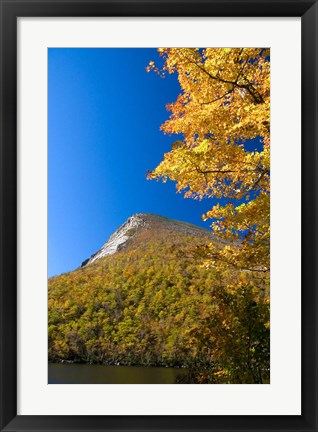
(224, 103)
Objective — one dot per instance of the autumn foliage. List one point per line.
(223, 106)
(224, 103)
(152, 304)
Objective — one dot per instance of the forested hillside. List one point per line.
(151, 303)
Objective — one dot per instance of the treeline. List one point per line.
(152, 304)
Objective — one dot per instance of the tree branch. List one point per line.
(218, 98)
(249, 87)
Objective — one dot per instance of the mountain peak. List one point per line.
(139, 222)
(117, 240)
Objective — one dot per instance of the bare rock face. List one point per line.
(120, 237)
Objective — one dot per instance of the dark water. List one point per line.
(101, 374)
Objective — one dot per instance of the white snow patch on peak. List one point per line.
(117, 240)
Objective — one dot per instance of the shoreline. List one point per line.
(79, 362)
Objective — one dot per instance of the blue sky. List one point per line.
(104, 115)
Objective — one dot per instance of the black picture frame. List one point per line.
(10, 11)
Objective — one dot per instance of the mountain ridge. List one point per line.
(144, 221)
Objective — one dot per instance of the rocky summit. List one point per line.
(140, 222)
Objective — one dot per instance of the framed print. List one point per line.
(114, 278)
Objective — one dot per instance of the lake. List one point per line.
(62, 373)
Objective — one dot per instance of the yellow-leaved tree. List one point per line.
(224, 104)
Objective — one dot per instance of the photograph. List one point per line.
(158, 200)
(159, 215)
